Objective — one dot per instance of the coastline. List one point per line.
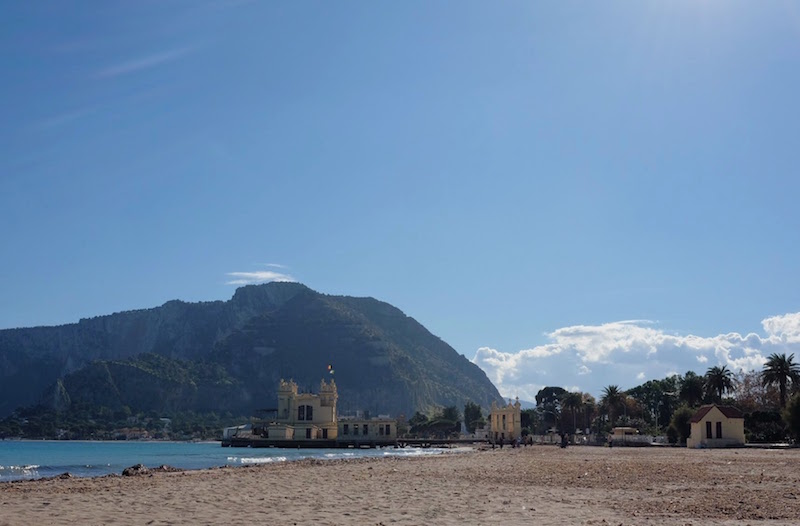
(539, 484)
(37, 459)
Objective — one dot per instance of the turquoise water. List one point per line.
(28, 459)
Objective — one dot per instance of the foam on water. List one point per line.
(256, 460)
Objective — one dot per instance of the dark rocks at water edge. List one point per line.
(141, 469)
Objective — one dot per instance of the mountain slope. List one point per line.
(383, 360)
(32, 359)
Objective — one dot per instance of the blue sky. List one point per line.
(515, 175)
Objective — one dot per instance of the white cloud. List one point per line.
(142, 63)
(259, 276)
(786, 327)
(626, 353)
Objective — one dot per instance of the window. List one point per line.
(305, 412)
(366, 429)
(504, 423)
(719, 429)
(708, 430)
(308, 433)
(355, 429)
(324, 433)
(346, 429)
(388, 427)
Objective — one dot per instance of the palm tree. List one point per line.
(691, 390)
(612, 398)
(572, 401)
(719, 380)
(780, 370)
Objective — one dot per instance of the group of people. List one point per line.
(515, 442)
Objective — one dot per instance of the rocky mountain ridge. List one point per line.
(229, 356)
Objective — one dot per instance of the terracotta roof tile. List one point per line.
(727, 410)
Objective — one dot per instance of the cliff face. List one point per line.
(32, 359)
(230, 355)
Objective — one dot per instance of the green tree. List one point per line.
(681, 422)
(780, 369)
(692, 389)
(444, 423)
(612, 400)
(528, 418)
(791, 415)
(548, 404)
(719, 380)
(549, 396)
(472, 416)
(451, 413)
(764, 426)
(418, 422)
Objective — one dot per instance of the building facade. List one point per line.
(716, 426)
(505, 422)
(367, 431)
(304, 416)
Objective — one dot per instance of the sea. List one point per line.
(33, 459)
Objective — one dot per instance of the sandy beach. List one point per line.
(535, 485)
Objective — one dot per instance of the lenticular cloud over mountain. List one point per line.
(627, 353)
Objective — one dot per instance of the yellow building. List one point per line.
(506, 422)
(716, 426)
(305, 416)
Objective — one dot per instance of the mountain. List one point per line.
(32, 359)
(229, 356)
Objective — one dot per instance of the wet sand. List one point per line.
(534, 485)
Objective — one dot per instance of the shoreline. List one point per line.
(543, 485)
(89, 462)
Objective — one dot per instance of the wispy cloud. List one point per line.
(629, 352)
(143, 63)
(259, 276)
(62, 119)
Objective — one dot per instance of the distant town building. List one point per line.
(505, 422)
(716, 426)
(360, 430)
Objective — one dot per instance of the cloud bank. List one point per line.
(628, 353)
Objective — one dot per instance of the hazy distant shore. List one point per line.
(541, 484)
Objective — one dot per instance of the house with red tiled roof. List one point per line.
(716, 426)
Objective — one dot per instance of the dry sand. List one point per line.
(535, 485)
